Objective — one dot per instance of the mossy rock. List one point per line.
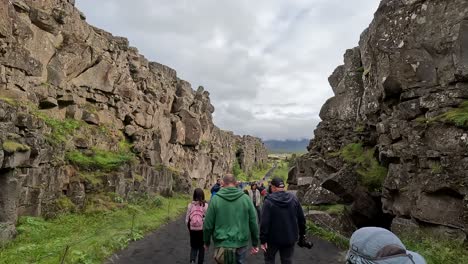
(13, 146)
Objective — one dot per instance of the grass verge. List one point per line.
(92, 237)
(437, 251)
(333, 237)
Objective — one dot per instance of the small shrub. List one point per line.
(157, 201)
(65, 204)
(12, 147)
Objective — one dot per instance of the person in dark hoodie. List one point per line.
(231, 221)
(283, 224)
(216, 188)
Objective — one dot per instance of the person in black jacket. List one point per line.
(283, 224)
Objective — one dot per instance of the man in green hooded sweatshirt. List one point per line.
(231, 221)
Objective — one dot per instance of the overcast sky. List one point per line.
(265, 62)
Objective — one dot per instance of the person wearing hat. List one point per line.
(375, 245)
(283, 224)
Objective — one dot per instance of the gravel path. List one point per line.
(170, 245)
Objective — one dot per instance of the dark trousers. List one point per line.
(286, 254)
(197, 251)
(196, 244)
(259, 214)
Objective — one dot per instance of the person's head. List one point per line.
(229, 181)
(199, 195)
(277, 185)
(378, 244)
(253, 186)
(218, 181)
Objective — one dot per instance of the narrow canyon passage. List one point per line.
(170, 244)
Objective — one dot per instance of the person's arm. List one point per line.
(301, 221)
(253, 223)
(188, 214)
(208, 225)
(265, 224)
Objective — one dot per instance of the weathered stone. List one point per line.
(90, 118)
(74, 112)
(44, 21)
(21, 6)
(47, 103)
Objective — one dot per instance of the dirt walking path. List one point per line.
(170, 245)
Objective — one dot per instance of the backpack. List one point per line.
(196, 216)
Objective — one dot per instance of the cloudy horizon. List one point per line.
(264, 62)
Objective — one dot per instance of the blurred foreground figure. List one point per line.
(375, 245)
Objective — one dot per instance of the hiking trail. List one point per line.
(170, 245)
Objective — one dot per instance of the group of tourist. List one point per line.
(233, 219)
(272, 223)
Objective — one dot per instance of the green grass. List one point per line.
(437, 251)
(9, 101)
(260, 171)
(331, 209)
(281, 170)
(457, 116)
(12, 147)
(99, 159)
(92, 237)
(238, 172)
(333, 237)
(61, 130)
(372, 174)
(436, 168)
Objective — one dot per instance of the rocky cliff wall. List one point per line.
(393, 141)
(83, 113)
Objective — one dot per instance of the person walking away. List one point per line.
(231, 222)
(216, 188)
(283, 224)
(194, 220)
(256, 198)
(378, 245)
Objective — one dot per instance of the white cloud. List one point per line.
(265, 62)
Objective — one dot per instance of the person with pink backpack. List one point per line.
(194, 220)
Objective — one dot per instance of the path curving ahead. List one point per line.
(170, 245)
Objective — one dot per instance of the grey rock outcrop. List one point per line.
(66, 86)
(401, 94)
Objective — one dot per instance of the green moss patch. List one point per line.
(12, 147)
(372, 174)
(98, 159)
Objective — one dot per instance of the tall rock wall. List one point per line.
(400, 114)
(82, 112)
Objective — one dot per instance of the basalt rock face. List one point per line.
(403, 94)
(70, 91)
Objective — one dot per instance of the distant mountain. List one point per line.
(287, 146)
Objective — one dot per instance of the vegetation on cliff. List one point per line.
(372, 174)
